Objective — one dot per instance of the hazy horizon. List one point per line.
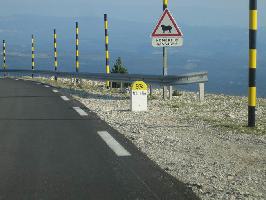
(190, 12)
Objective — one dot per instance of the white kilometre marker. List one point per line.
(65, 98)
(80, 111)
(113, 144)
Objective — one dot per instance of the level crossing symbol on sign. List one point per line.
(167, 33)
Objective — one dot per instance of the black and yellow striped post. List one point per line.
(4, 56)
(32, 55)
(55, 54)
(107, 58)
(77, 47)
(253, 27)
(77, 50)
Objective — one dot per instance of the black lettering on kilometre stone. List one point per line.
(166, 28)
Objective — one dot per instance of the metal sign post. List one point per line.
(166, 34)
(165, 70)
(165, 59)
(253, 27)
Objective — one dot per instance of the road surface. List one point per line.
(51, 147)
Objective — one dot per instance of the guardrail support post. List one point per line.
(170, 92)
(201, 91)
(151, 90)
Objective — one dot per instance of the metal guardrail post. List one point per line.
(201, 92)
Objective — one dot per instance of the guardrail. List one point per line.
(199, 77)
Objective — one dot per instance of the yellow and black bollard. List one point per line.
(107, 65)
(4, 56)
(55, 54)
(253, 27)
(77, 50)
(32, 56)
(77, 47)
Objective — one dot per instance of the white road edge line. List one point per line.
(55, 91)
(113, 144)
(65, 98)
(80, 111)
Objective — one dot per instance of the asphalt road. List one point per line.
(49, 150)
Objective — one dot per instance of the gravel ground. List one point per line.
(205, 145)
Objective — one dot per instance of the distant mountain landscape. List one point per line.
(223, 52)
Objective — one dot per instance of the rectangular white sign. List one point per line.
(167, 41)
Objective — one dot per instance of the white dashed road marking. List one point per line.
(38, 83)
(113, 144)
(47, 86)
(55, 91)
(65, 98)
(80, 111)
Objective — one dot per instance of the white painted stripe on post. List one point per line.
(65, 98)
(80, 111)
(55, 91)
(113, 144)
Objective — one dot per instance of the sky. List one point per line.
(188, 12)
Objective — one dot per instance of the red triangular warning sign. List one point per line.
(167, 26)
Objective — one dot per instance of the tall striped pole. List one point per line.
(253, 27)
(4, 54)
(32, 55)
(55, 54)
(107, 64)
(165, 63)
(77, 47)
